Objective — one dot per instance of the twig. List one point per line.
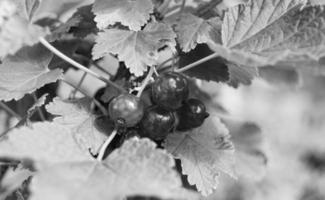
(97, 103)
(9, 110)
(146, 81)
(93, 63)
(40, 113)
(76, 64)
(102, 150)
(203, 60)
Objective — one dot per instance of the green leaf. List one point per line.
(205, 152)
(16, 31)
(192, 30)
(131, 13)
(25, 72)
(265, 32)
(76, 116)
(137, 168)
(45, 143)
(137, 49)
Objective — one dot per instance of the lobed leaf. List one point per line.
(137, 168)
(265, 32)
(131, 13)
(16, 31)
(25, 72)
(44, 143)
(204, 152)
(192, 30)
(137, 49)
(76, 116)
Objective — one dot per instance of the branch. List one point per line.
(203, 60)
(76, 64)
(102, 150)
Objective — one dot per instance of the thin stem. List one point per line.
(76, 64)
(97, 103)
(146, 81)
(102, 150)
(203, 60)
(170, 11)
(9, 110)
(74, 92)
(101, 68)
(93, 63)
(40, 113)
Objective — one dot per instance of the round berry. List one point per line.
(126, 110)
(169, 90)
(191, 115)
(156, 123)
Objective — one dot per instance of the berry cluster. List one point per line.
(169, 108)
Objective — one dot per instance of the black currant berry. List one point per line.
(169, 90)
(126, 110)
(156, 123)
(191, 115)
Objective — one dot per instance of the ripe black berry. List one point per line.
(191, 115)
(126, 109)
(157, 123)
(169, 90)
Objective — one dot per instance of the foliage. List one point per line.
(217, 41)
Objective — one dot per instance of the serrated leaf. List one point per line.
(131, 13)
(16, 31)
(44, 142)
(13, 179)
(137, 49)
(76, 115)
(251, 160)
(265, 32)
(205, 152)
(192, 30)
(137, 168)
(239, 74)
(25, 72)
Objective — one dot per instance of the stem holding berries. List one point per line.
(146, 81)
(103, 148)
(76, 64)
